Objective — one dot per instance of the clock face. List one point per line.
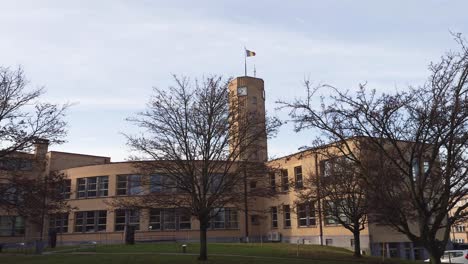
(242, 91)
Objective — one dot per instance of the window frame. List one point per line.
(298, 177)
(84, 186)
(95, 216)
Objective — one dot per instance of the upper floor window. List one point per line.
(129, 185)
(90, 221)
(284, 180)
(298, 177)
(272, 182)
(65, 189)
(306, 214)
(162, 183)
(92, 187)
(12, 164)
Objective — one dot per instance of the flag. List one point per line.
(249, 53)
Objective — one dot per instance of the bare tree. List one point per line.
(200, 143)
(24, 121)
(410, 145)
(339, 190)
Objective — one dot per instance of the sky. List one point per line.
(104, 57)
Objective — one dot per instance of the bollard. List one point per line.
(184, 248)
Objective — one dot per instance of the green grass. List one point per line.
(154, 253)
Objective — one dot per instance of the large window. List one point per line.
(272, 182)
(224, 218)
(162, 183)
(58, 223)
(169, 219)
(92, 187)
(65, 189)
(334, 210)
(274, 217)
(11, 225)
(284, 180)
(287, 216)
(131, 216)
(306, 214)
(90, 221)
(129, 185)
(298, 177)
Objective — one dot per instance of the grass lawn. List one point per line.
(217, 252)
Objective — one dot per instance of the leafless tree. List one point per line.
(200, 144)
(25, 120)
(339, 190)
(411, 145)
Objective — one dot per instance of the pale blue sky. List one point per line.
(106, 56)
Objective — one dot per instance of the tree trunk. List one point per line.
(435, 259)
(203, 243)
(357, 243)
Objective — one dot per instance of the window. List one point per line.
(327, 168)
(155, 222)
(59, 223)
(351, 241)
(306, 214)
(162, 183)
(272, 182)
(92, 186)
(15, 164)
(131, 215)
(459, 240)
(170, 219)
(459, 229)
(274, 217)
(334, 210)
(224, 218)
(11, 225)
(298, 177)
(90, 221)
(129, 185)
(287, 216)
(284, 180)
(65, 189)
(328, 241)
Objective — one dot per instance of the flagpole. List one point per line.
(245, 61)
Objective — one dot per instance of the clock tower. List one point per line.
(247, 100)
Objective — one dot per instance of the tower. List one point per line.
(247, 98)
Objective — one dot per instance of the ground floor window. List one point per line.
(130, 216)
(58, 223)
(169, 219)
(224, 218)
(287, 216)
(328, 241)
(11, 225)
(274, 217)
(90, 221)
(306, 214)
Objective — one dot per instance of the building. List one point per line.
(94, 181)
